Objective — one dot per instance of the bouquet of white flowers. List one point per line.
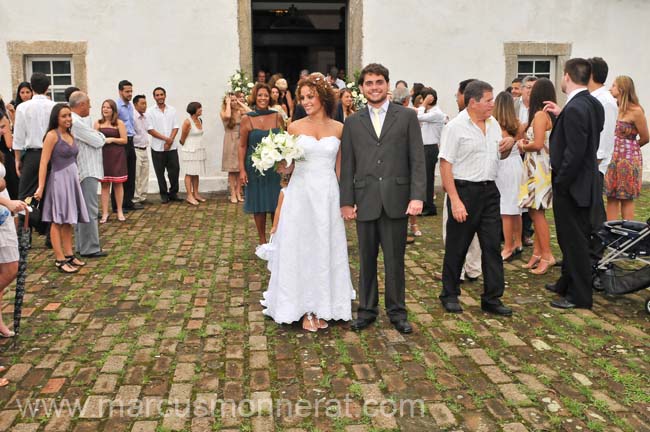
(239, 82)
(275, 148)
(358, 98)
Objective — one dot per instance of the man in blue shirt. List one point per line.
(125, 113)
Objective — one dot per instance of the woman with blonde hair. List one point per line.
(232, 109)
(114, 158)
(623, 178)
(509, 176)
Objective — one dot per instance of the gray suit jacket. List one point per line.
(384, 172)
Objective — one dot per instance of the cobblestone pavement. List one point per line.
(167, 334)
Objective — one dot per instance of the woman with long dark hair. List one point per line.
(24, 93)
(623, 178)
(536, 189)
(509, 177)
(114, 158)
(261, 190)
(63, 204)
(345, 107)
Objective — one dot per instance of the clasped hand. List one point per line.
(349, 212)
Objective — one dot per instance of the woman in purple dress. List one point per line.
(64, 203)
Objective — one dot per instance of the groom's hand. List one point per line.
(349, 212)
(415, 207)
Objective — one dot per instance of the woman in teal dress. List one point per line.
(261, 190)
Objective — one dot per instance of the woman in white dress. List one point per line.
(510, 171)
(193, 152)
(310, 272)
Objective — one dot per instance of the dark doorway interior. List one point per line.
(290, 36)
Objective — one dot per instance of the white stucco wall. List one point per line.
(189, 48)
(442, 42)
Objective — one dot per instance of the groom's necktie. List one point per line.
(376, 123)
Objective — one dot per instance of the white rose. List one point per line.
(237, 89)
(350, 85)
(237, 76)
(250, 85)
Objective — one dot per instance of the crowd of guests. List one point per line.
(496, 157)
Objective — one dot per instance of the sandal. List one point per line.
(9, 334)
(312, 327)
(4, 382)
(322, 324)
(543, 266)
(104, 219)
(415, 229)
(75, 261)
(3, 368)
(194, 203)
(200, 199)
(534, 260)
(64, 266)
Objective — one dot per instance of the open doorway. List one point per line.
(291, 36)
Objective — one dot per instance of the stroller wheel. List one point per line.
(647, 305)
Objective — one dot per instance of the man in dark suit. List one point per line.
(382, 182)
(573, 146)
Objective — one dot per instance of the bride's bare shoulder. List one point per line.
(338, 127)
(296, 127)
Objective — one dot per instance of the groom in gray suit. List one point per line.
(382, 182)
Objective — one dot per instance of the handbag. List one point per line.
(35, 221)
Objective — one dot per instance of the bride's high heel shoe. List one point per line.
(322, 324)
(534, 261)
(309, 324)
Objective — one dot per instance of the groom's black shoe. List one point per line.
(361, 323)
(403, 326)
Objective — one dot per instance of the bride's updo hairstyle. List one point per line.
(317, 82)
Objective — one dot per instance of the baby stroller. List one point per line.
(625, 265)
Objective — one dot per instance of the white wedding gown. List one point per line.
(309, 264)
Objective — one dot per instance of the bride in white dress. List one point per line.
(310, 273)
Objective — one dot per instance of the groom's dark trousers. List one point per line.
(391, 235)
(380, 175)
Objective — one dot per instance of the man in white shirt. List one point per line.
(521, 109)
(599, 70)
(523, 102)
(470, 149)
(334, 78)
(432, 120)
(140, 143)
(596, 87)
(32, 119)
(91, 171)
(163, 127)
(472, 267)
